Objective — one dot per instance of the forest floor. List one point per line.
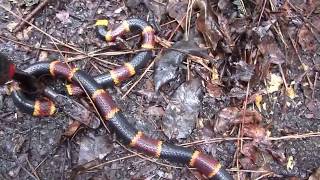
(258, 114)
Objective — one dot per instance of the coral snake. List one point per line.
(112, 115)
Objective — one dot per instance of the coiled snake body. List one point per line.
(112, 115)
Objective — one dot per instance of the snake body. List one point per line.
(109, 111)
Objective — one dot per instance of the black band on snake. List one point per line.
(120, 74)
(114, 77)
(113, 116)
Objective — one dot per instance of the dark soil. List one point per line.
(36, 148)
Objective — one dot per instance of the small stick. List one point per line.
(29, 173)
(283, 77)
(34, 172)
(299, 58)
(30, 15)
(263, 8)
(314, 84)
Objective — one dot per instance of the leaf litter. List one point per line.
(250, 51)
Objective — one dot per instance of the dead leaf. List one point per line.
(247, 163)
(72, 128)
(263, 30)
(63, 16)
(25, 34)
(315, 175)
(224, 5)
(249, 150)
(225, 118)
(227, 44)
(31, 2)
(237, 92)
(167, 68)
(149, 95)
(274, 84)
(278, 154)
(313, 106)
(270, 51)
(177, 9)
(244, 71)
(232, 115)
(215, 76)
(290, 163)
(93, 147)
(182, 112)
(258, 101)
(304, 67)
(307, 40)
(214, 90)
(252, 98)
(155, 111)
(43, 56)
(119, 10)
(255, 131)
(157, 9)
(11, 26)
(290, 92)
(207, 24)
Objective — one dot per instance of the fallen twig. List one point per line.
(30, 15)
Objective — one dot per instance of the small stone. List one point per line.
(43, 56)
(11, 26)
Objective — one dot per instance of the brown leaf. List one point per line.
(313, 106)
(207, 24)
(255, 131)
(157, 8)
(307, 39)
(271, 52)
(72, 128)
(155, 111)
(249, 150)
(232, 115)
(225, 118)
(277, 154)
(214, 90)
(250, 116)
(177, 9)
(315, 175)
(227, 43)
(247, 163)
